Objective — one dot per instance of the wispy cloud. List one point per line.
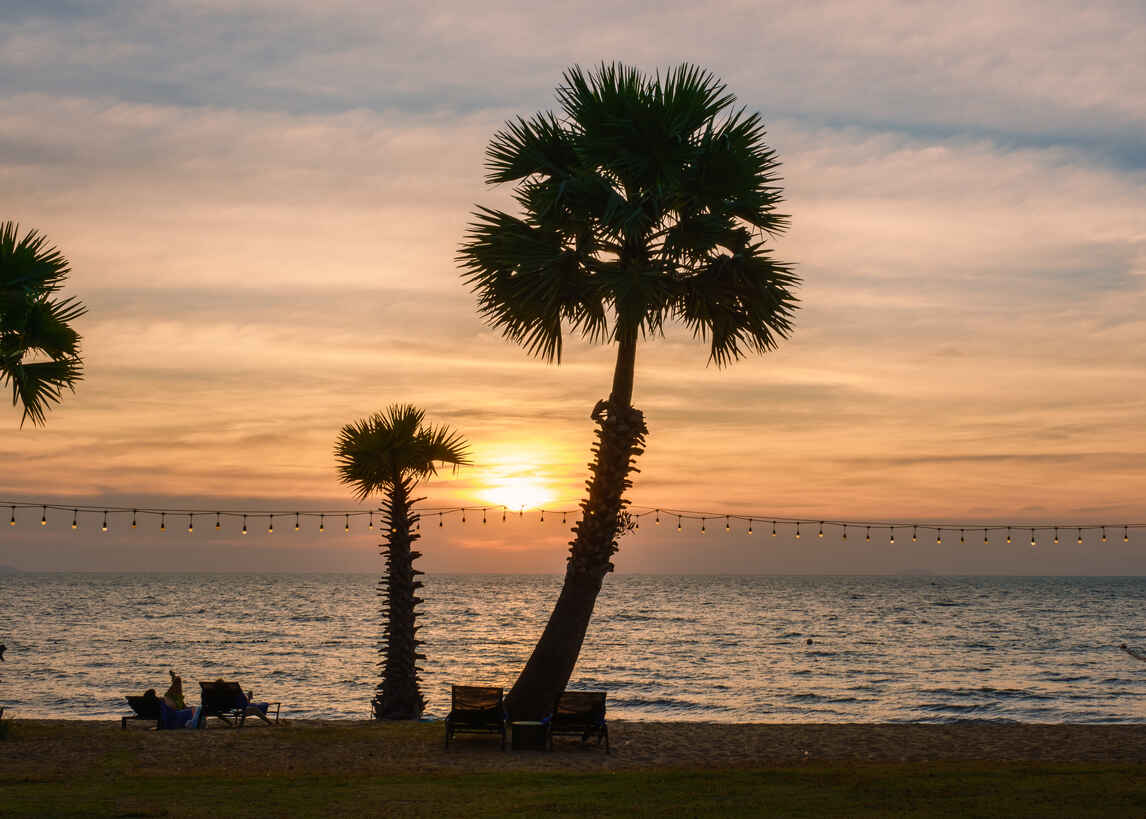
(262, 203)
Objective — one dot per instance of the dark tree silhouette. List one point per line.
(39, 351)
(390, 453)
(646, 200)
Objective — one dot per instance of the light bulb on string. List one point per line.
(44, 516)
(1008, 534)
(347, 528)
(296, 521)
(1125, 535)
(659, 518)
(271, 525)
(702, 526)
(797, 530)
(244, 524)
(190, 524)
(563, 518)
(845, 533)
(1079, 533)
(727, 524)
(12, 520)
(483, 515)
(821, 529)
(938, 535)
(440, 524)
(749, 525)
(986, 539)
(961, 538)
(867, 535)
(1034, 541)
(521, 511)
(773, 528)
(162, 521)
(678, 523)
(503, 514)
(1056, 534)
(218, 522)
(542, 518)
(104, 527)
(370, 523)
(132, 518)
(322, 523)
(891, 535)
(75, 518)
(1103, 534)
(463, 515)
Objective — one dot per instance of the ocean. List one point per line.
(723, 649)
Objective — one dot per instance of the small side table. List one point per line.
(527, 735)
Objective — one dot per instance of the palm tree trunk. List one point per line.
(620, 439)
(398, 696)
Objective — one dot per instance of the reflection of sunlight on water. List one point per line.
(885, 649)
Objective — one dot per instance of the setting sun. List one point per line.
(517, 493)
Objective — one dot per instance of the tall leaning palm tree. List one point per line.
(39, 351)
(390, 453)
(648, 199)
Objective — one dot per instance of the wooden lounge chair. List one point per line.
(580, 713)
(144, 706)
(226, 701)
(476, 710)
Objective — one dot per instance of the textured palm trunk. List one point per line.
(398, 695)
(620, 439)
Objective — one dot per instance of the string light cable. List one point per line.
(734, 523)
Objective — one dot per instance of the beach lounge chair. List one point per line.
(177, 718)
(476, 710)
(580, 713)
(145, 707)
(228, 702)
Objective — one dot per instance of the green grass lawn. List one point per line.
(955, 790)
(88, 769)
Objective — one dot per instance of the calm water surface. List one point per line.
(884, 649)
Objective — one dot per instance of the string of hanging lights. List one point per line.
(674, 517)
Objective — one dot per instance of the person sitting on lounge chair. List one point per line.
(173, 696)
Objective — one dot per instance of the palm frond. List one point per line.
(393, 447)
(34, 324)
(742, 303)
(645, 200)
(38, 385)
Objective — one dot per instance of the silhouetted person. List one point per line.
(173, 696)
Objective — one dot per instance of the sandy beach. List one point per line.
(54, 747)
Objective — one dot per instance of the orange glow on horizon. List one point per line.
(517, 494)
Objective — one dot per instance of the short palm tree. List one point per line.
(390, 453)
(39, 351)
(647, 200)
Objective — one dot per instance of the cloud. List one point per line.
(262, 203)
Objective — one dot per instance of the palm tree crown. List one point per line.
(647, 199)
(39, 351)
(393, 447)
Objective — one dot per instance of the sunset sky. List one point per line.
(262, 201)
